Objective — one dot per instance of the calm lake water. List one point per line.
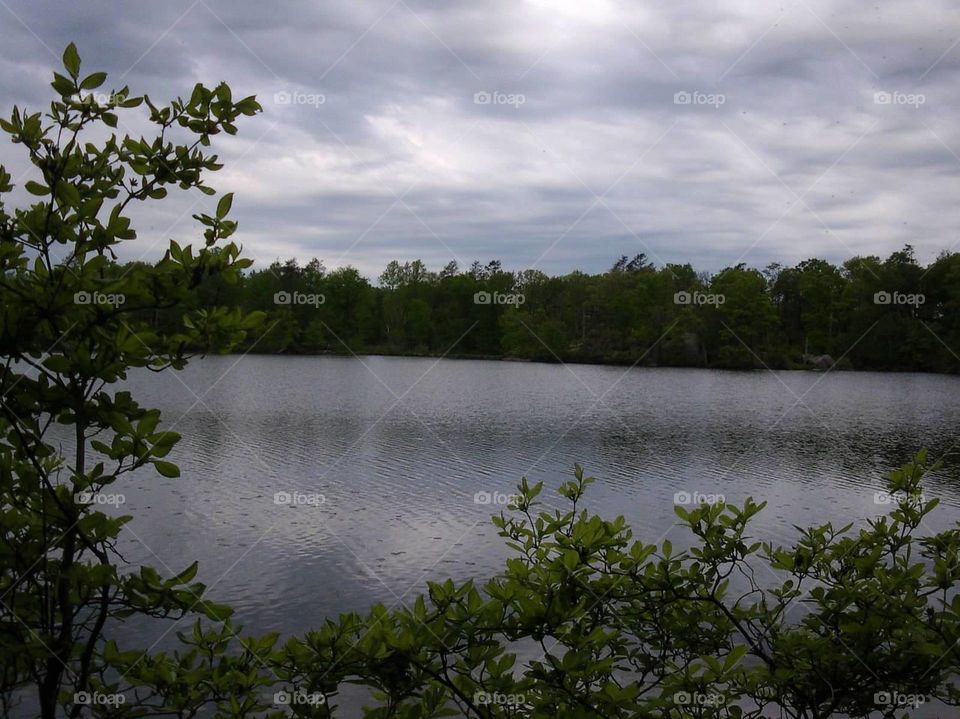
(384, 458)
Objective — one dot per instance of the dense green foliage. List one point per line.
(584, 622)
(845, 622)
(69, 329)
(739, 318)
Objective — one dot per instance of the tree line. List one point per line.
(868, 313)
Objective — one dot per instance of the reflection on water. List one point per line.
(399, 447)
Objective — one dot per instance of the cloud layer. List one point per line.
(557, 134)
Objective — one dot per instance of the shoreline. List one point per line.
(798, 367)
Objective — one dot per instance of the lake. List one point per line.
(377, 463)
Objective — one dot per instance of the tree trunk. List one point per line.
(59, 658)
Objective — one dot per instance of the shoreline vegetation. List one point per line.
(810, 366)
(868, 313)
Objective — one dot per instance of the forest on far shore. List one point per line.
(868, 313)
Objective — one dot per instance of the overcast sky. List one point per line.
(556, 134)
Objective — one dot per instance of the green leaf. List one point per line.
(57, 363)
(35, 188)
(64, 86)
(69, 194)
(736, 654)
(93, 81)
(217, 612)
(167, 469)
(186, 575)
(71, 60)
(100, 446)
(223, 207)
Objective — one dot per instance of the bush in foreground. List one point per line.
(854, 622)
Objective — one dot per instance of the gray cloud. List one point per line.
(399, 161)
